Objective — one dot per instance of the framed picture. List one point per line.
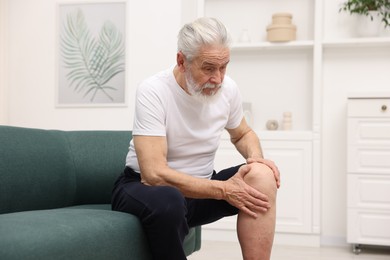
(91, 64)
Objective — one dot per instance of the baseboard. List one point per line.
(229, 235)
(334, 241)
(309, 240)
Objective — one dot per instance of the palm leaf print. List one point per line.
(92, 63)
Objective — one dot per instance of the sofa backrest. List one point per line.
(43, 169)
(99, 157)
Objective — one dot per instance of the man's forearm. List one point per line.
(189, 186)
(249, 145)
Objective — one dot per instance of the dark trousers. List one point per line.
(166, 215)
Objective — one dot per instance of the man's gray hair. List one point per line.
(201, 32)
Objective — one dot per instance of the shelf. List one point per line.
(285, 135)
(368, 94)
(358, 42)
(293, 45)
(279, 135)
(297, 45)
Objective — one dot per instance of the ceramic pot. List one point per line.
(281, 29)
(281, 18)
(281, 32)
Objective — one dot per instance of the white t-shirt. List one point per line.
(192, 129)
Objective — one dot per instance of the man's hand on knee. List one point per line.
(270, 164)
(244, 197)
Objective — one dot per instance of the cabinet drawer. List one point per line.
(369, 160)
(369, 131)
(368, 191)
(369, 107)
(368, 227)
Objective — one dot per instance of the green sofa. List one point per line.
(55, 191)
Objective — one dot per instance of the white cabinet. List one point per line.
(294, 162)
(292, 152)
(294, 199)
(368, 171)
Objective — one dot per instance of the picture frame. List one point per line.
(91, 54)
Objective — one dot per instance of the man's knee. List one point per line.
(262, 177)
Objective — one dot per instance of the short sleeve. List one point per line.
(236, 112)
(150, 115)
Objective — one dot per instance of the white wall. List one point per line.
(152, 27)
(3, 74)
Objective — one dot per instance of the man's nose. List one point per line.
(217, 77)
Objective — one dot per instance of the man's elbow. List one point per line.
(152, 177)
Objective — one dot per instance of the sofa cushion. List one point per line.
(79, 232)
(192, 241)
(72, 233)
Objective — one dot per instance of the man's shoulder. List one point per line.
(156, 82)
(162, 76)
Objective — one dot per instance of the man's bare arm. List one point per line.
(152, 153)
(248, 144)
(246, 141)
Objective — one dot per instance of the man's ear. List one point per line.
(180, 59)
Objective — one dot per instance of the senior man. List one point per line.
(169, 181)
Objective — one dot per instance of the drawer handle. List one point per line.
(384, 108)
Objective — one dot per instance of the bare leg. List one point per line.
(256, 235)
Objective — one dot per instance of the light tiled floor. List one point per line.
(231, 251)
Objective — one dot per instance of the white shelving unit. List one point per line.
(264, 46)
(279, 77)
(274, 78)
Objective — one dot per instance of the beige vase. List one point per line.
(281, 29)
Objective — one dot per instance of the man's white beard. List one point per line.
(196, 90)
